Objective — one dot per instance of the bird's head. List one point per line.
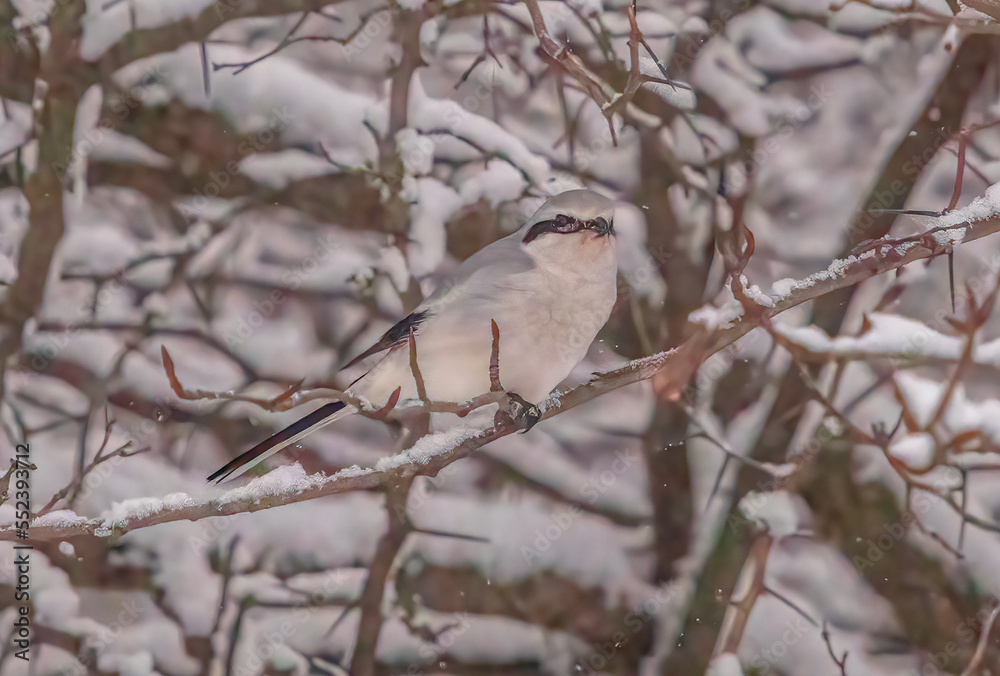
(572, 230)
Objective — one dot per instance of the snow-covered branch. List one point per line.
(673, 368)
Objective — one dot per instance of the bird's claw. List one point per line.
(521, 412)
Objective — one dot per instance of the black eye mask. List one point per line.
(563, 224)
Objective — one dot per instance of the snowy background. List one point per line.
(264, 186)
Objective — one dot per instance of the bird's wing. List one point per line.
(397, 335)
(489, 269)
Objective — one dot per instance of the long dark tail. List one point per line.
(279, 440)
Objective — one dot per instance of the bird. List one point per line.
(549, 288)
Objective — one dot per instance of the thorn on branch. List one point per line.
(447, 534)
(383, 413)
(495, 385)
(418, 377)
(282, 402)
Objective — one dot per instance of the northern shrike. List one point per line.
(549, 287)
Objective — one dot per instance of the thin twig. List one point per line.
(841, 662)
(984, 640)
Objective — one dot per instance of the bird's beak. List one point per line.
(602, 226)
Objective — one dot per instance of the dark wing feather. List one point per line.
(277, 442)
(397, 335)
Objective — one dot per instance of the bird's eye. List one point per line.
(564, 223)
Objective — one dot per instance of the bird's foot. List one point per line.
(522, 413)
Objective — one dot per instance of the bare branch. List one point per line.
(984, 640)
(370, 624)
(749, 587)
(145, 42)
(841, 661)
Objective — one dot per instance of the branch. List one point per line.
(72, 489)
(984, 639)
(370, 624)
(145, 42)
(58, 89)
(288, 40)
(673, 370)
(749, 586)
(881, 256)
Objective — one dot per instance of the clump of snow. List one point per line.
(923, 397)
(278, 170)
(889, 335)
(282, 480)
(783, 287)
(138, 508)
(637, 264)
(700, 139)
(96, 248)
(428, 447)
(59, 518)
(680, 96)
(8, 269)
(416, 151)
(777, 43)
(916, 450)
(526, 538)
(498, 182)
(781, 512)
(716, 317)
(980, 209)
(430, 114)
(265, 103)
(726, 664)
(755, 294)
(721, 72)
(435, 203)
(15, 130)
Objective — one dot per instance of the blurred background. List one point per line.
(265, 186)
